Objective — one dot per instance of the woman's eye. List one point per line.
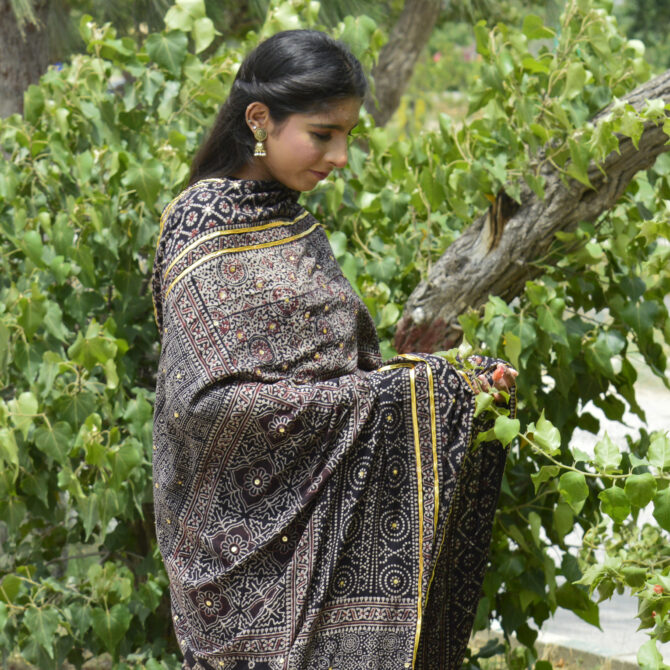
(322, 137)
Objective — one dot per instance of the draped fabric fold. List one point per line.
(315, 508)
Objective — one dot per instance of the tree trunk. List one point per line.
(23, 57)
(469, 271)
(399, 55)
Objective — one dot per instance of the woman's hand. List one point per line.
(502, 378)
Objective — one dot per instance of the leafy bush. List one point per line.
(106, 142)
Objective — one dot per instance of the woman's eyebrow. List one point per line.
(331, 126)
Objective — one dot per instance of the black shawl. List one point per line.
(315, 509)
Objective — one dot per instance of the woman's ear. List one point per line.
(257, 115)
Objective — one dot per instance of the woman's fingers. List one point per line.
(484, 383)
(503, 378)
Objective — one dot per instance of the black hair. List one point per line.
(292, 72)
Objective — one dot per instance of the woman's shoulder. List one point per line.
(194, 195)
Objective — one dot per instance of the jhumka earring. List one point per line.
(260, 135)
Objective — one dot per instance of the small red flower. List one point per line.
(437, 57)
(658, 588)
(653, 615)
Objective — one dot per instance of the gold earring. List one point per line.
(260, 135)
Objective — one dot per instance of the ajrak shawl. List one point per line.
(314, 508)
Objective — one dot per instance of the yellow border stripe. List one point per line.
(219, 233)
(433, 432)
(395, 366)
(419, 485)
(467, 381)
(419, 478)
(215, 254)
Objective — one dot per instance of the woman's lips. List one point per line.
(320, 175)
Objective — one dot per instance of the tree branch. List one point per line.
(399, 55)
(468, 272)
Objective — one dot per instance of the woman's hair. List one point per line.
(292, 72)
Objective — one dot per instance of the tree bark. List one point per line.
(469, 272)
(23, 56)
(399, 55)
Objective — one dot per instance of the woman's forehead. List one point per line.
(340, 114)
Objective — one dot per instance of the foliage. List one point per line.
(229, 20)
(649, 21)
(90, 166)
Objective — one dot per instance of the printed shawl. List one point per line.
(314, 508)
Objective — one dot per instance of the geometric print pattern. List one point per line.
(315, 508)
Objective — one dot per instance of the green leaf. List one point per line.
(33, 104)
(631, 125)
(662, 509)
(203, 33)
(390, 314)
(9, 451)
(563, 520)
(4, 346)
(178, 18)
(482, 38)
(42, 624)
(552, 324)
(574, 598)
(32, 316)
(110, 625)
(640, 489)
(75, 408)
(111, 374)
(9, 588)
(506, 429)
(91, 350)
(575, 80)
(535, 523)
(640, 316)
(545, 435)
(168, 50)
(145, 178)
(599, 355)
(54, 440)
(512, 347)
(88, 512)
(649, 657)
(13, 511)
(53, 320)
(546, 473)
(579, 162)
(573, 489)
(534, 28)
(634, 576)
(608, 456)
(482, 402)
(24, 409)
(615, 504)
(432, 188)
(659, 452)
(32, 241)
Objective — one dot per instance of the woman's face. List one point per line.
(304, 148)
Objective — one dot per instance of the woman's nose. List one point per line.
(337, 154)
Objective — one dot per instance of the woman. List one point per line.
(314, 508)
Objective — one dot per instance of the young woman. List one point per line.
(315, 508)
